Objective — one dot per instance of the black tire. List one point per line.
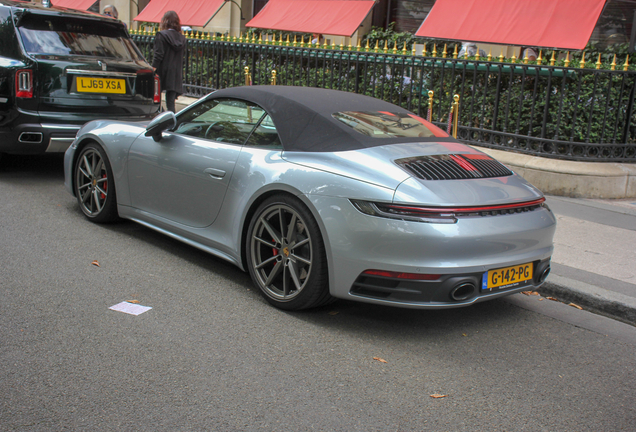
(286, 255)
(94, 185)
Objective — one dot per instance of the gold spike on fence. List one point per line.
(248, 76)
(429, 115)
(379, 46)
(273, 81)
(456, 117)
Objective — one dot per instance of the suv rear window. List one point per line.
(43, 34)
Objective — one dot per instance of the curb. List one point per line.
(594, 299)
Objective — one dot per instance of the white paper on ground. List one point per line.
(130, 308)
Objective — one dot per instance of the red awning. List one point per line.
(566, 24)
(332, 17)
(74, 4)
(191, 13)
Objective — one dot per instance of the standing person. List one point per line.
(169, 49)
(111, 11)
(531, 52)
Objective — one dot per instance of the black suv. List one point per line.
(60, 68)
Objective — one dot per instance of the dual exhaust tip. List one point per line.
(467, 289)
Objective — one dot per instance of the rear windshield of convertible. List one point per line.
(43, 34)
(381, 124)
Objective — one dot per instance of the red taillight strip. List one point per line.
(465, 209)
(157, 95)
(398, 275)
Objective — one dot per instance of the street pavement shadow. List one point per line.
(34, 167)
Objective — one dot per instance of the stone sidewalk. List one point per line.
(594, 261)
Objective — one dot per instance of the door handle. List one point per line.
(216, 173)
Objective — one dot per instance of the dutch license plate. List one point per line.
(508, 277)
(101, 85)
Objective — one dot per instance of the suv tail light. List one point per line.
(157, 96)
(24, 83)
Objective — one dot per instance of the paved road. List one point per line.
(212, 355)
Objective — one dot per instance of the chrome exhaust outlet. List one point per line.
(544, 274)
(30, 137)
(463, 291)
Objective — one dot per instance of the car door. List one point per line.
(184, 176)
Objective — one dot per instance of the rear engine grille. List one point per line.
(453, 167)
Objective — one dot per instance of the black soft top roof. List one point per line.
(303, 116)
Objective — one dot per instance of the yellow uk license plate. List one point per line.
(508, 277)
(101, 85)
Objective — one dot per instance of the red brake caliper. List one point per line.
(105, 187)
(274, 250)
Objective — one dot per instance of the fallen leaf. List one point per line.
(576, 306)
(333, 313)
(438, 396)
(132, 301)
(464, 334)
(540, 298)
(95, 263)
(380, 360)
(552, 298)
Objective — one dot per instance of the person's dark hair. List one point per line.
(170, 20)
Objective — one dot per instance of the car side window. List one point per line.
(224, 120)
(265, 134)
(9, 46)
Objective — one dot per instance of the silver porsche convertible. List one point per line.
(321, 194)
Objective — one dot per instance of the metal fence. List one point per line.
(574, 113)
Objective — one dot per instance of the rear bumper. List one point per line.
(461, 254)
(34, 138)
(33, 134)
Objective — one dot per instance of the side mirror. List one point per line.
(162, 122)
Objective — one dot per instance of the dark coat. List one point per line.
(170, 46)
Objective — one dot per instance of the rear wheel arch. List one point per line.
(258, 201)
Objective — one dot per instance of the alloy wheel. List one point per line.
(281, 252)
(92, 182)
